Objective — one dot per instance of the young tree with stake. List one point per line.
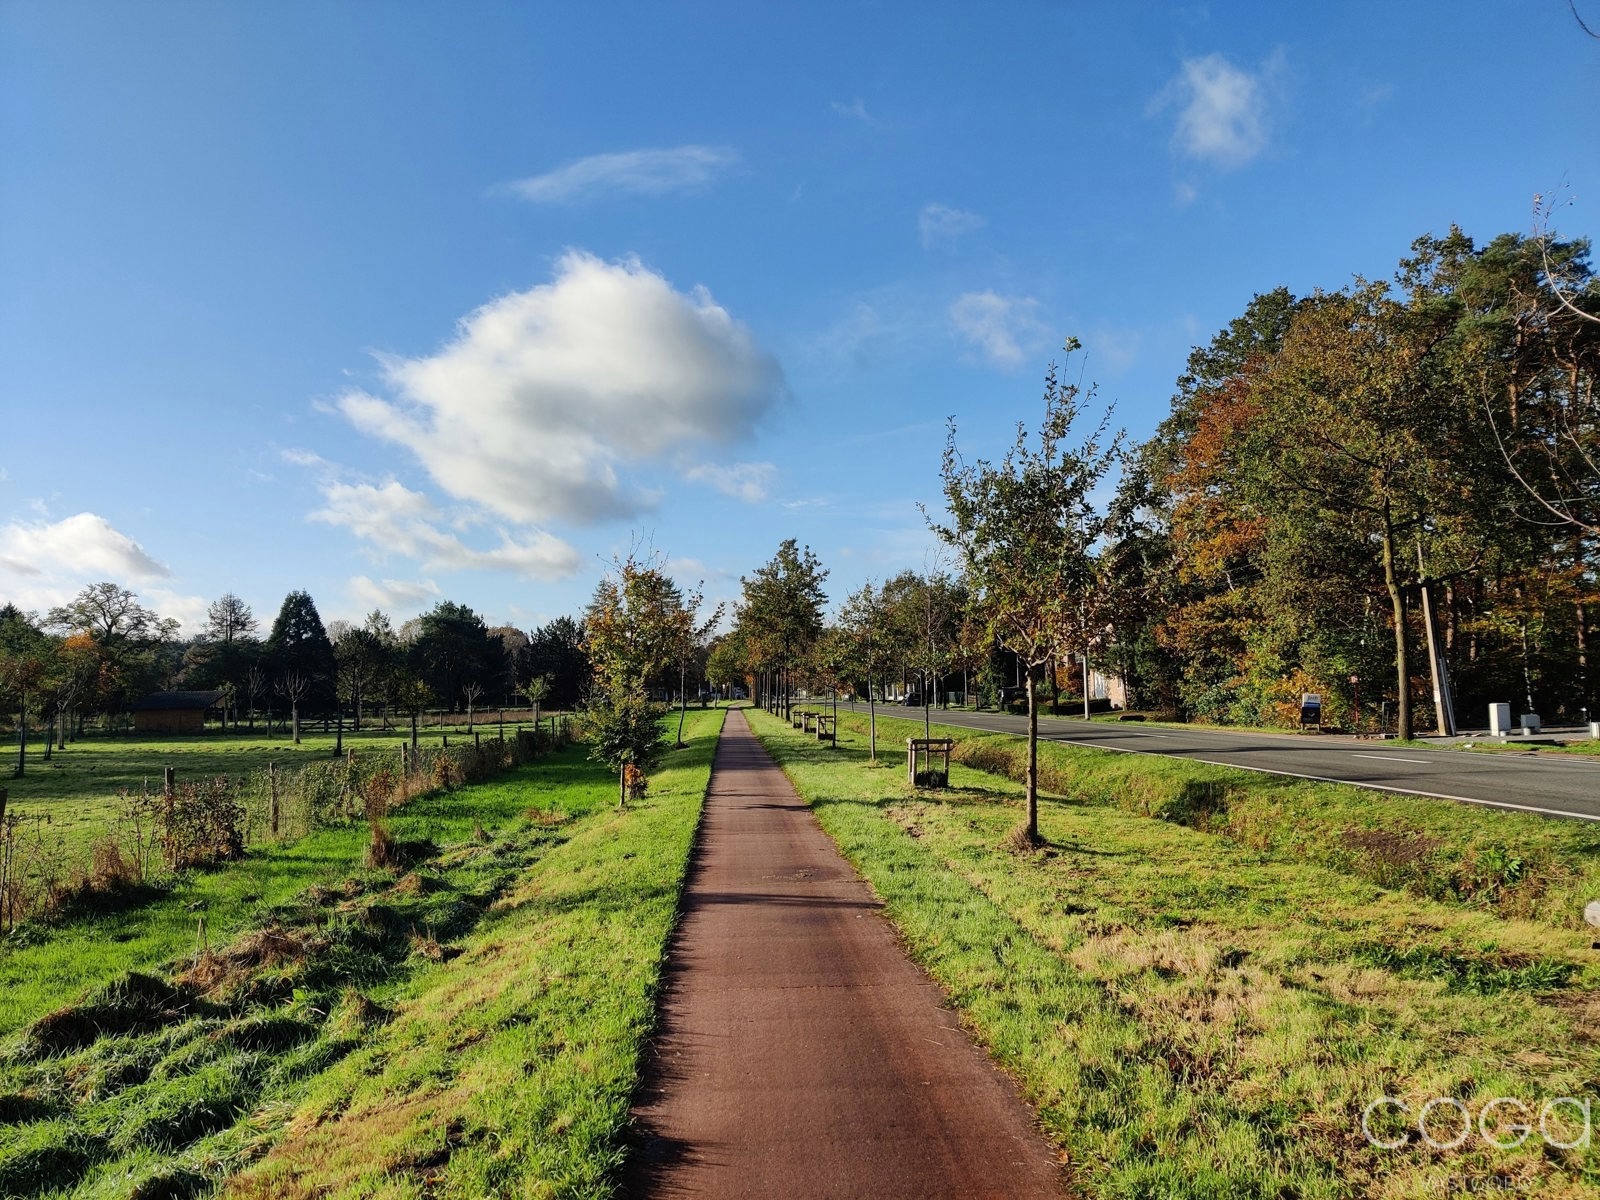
(1025, 529)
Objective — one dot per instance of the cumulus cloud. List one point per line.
(46, 563)
(750, 482)
(639, 172)
(544, 393)
(392, 595)
(84, 545)
(939, 224)
(393, 519)
(1222, 109)
(1002, 328)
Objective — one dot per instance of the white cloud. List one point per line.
(1222, 109)
(750, 482)
(85, 545)
(543, 393)
(302, 458)
(392, 519)
(641, 172)
(394, 596)
(856, 109)
(939, 224)
(44, 564)
(188, 611)
(1003, 328)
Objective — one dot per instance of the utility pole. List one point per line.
(1443, 702)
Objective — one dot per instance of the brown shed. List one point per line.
(174, 712)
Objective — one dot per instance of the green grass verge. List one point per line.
(466, 1025)
(1514, 864)
(1197, 1018)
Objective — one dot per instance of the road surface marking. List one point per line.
(1391, 758)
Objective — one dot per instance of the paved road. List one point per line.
(801, 1054)
(1555, 785)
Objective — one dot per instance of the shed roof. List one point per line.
(166, 701)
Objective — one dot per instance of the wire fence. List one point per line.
(198, 822)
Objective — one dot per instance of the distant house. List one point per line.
(174, 712)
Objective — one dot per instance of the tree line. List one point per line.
(98, 654)
(1377, 494)
(1360, 493)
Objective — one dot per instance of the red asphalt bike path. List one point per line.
(801, 1054)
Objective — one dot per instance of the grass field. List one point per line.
(78, 787)
(1198, 1017)
(465, 1024)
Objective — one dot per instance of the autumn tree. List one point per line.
(1026, 529)
(1362, 452)
(127, 632)
(25, 657)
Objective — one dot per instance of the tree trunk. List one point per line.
(22, 737)
(872, 715)
(1527, 669)
(1033, 759)
(1583, 655)
(1397, 602)
(294, 722)
(622, 786)
(683, 699)
(413, 729)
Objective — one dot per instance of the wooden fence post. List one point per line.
(169, 780)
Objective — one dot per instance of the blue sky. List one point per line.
(398, 303)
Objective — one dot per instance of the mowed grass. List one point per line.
(467, 1023)
(78, 787)
(1195, 1017)
(1512, 863)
